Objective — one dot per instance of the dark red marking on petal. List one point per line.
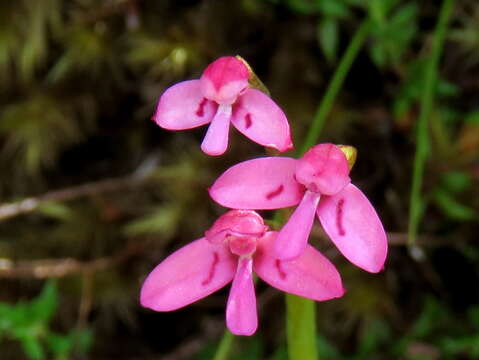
(248, 121)
(339, 217)
(211, 273)
(275, 192)
(201, 107)
(281, 272)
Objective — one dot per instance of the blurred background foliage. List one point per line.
(94, 194)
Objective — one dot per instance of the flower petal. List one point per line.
(182, 106)
(260, 119)
(215, 142)
(189, 274)
(264, 183)
(310, 275)
(224, 79)
(241, 314)
(353, 225)
(293, 237)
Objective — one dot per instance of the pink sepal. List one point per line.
(353, 225)
(182, 106)
(264, 183)
(260, 119)
(189, 274)
(310, 275)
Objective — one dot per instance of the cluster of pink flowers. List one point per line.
(239, 242)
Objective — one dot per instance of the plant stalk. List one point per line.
(426, 104)
(335, 85)
(225, 346)
(301, 312)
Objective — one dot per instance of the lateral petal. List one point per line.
(189, 274)
(310, 275)
(263, 183)
(183, 106)
(241, 313)
(354, 226)
(260, 119)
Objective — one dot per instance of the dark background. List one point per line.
(79, 81)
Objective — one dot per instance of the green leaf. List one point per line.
(378, 54)
(328, 38)
(59, 345)
(303, 6)
(376, 332)
(56, 210)
(162, 220)
(326, 350)
(429, 319)
(251, 349)
(377, 11)
(472, 118)
(452, 208)
(45, 305)
(337, 9)
(32, 348)
(456, 181)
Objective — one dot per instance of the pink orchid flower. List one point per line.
(319, 182)
(222, 95)
(237, 244)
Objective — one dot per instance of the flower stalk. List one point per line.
(300, 312)
(301, 328)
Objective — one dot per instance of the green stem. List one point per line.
(427, 101)
(301, 328)
(335, 85)
(225, 346)
(301, 312)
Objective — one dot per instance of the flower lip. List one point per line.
(323, 169)
(237, 224)
(242, 245)
(224, 80)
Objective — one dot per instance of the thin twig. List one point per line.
(57, 268)
(30, 204)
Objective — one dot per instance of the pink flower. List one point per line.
(222, 95)
(319, 182)
(238, 243)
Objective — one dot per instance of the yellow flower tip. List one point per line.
(351, 154)
(254, 80)
(250, 70)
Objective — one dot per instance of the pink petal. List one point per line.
(182, 106)
(216, 140)
(353, 225)
(260, 119)
(310, 275)
(293, 237)
(264, 183)
(189, 274)
(241, 314)
(224, 79)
